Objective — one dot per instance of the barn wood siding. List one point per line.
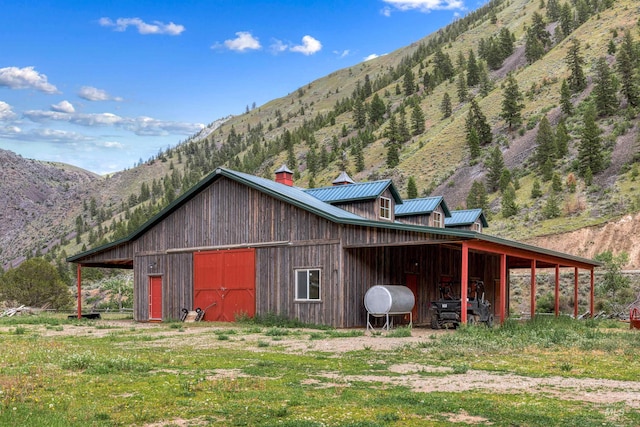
(122, 252)
(275, 282)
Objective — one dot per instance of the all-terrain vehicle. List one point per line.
(446, 311)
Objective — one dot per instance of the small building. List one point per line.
(468, 219)
(238, 244)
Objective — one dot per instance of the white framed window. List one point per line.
(437, 219)
(308, 284)
(477, 227)
(385, 208)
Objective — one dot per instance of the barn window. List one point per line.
(385, 208)
(477, 227)
(437, 219)
(308, 285)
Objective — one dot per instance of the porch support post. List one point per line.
(79, 291)
(503, 288)
(592, 292)
(575, 293)
(557, 291)
(464, 282)
(533, 288)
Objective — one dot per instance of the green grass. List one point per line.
(121, 379)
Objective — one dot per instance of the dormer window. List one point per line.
(385, 208)
(477, 227)
(437, 219)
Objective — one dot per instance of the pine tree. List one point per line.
(377, 109)
(556, 183)
(393, 157)
(562, 140)
(508, 202)
(536, 192)
(627, 67)
(512, 103)
(604, 90)
(566, 19)
(565, 99)
(478, 121)
(486, 84)
(409, 82)
(545, 144)
(359, 155)
(473, 71)
(461, 86)
(392, 130)
(494, 165)
(551, 208)
(474, 144)
(577, 81)
(445, 106)
(417, 120)
(412, 188)
(590, 155)
(404, 134)
(359, 113)
(505, 43)
(477, 197)
(505, 179)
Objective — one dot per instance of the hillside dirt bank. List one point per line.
(622, 235)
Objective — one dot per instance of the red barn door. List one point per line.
(155, 298)
(224, 283)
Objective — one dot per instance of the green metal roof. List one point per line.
(425, 205)
(354, 192)
(298, 197)
(465, 217)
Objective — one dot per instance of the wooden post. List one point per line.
(592, 301)
(79, 291)
(557, 292)
(503, 287)
(464, 282)
(533, 288)
(575, 293)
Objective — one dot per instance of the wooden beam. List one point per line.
(592, 293)
(222, 247)
(556, 308)
(79, 269)
(533, 288)
(503, 288)
(464, 282)
(408, 243)
(575, 293)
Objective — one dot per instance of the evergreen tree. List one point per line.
(392, 130)
(474, 144)
(359, 113)
(565, 99)
(566, 19)
(553, 10)
(359, 155)
(577, 81)
(551, 208)
(473, 70)
(556, 183)
(590, 148)
(505, 43)
(508, 202)
(412, 188)
(536, 192)
(547, 169)
(404, 134)
(478, 121)
(545, 144)
(477, 197)
(393, 157)
(627, 67)
(494, 165)
(417, 120)
(505, 179)
(443, 67)
(312, 161)
(377, 110)
(605, 89)
(512, 103)
(461, 87)
(409, 82)
(486, 84)
(445, 106)
(537, 39)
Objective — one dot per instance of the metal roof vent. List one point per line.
(343, 179)
(284, 176)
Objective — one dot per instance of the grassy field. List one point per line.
(55, 372)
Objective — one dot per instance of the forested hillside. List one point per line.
(526, 108)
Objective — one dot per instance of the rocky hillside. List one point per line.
(386, 118)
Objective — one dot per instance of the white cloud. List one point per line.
(5, 111)
(386, 11)
(373, 56)
(63, 107)
(143, 126)
(278, 46)
(25, 78)
(309, 46)
(94, 94)
(111, 144)
(244, 41)
(342, 54)
(42, 134)
(423, 5)
(157, 27)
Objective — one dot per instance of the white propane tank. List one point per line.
(383, 299)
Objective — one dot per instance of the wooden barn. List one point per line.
(237, 244)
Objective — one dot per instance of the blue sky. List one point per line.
(102, 84)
